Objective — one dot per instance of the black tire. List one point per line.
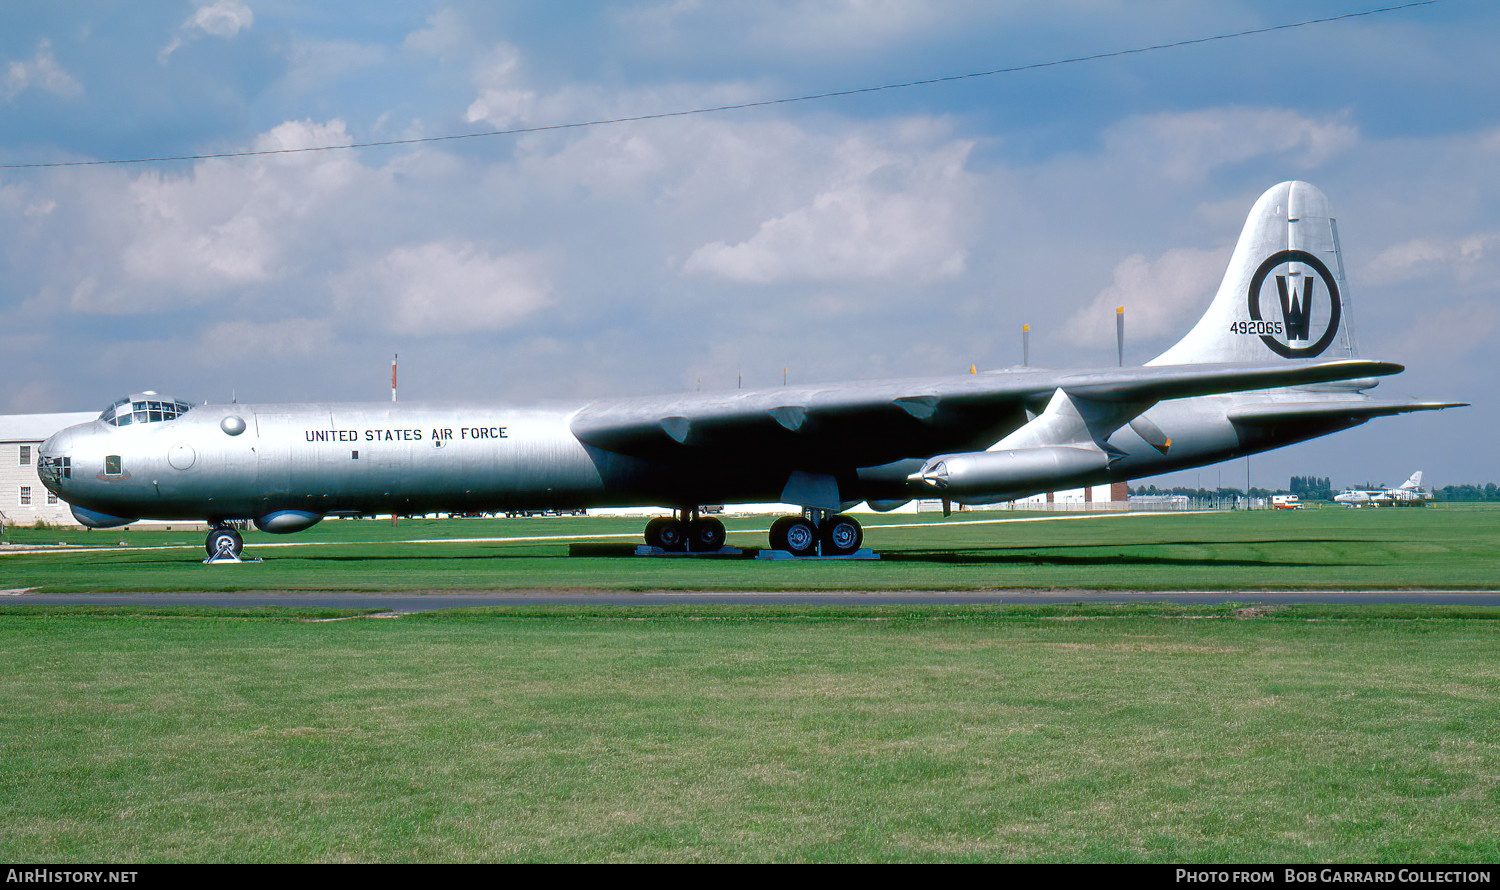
(795, 535)
(217, 541)
(705, 535)
(842, 535)
(668, 534)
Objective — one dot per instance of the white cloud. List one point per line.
(1164, 296)
(224, 19)
(1187, 147)
(166, 241)
(444, 287)
(446, 32)
(502, 101)
(246, 339)
(1451, 334)
(1461, 256)
(821, 26)
(42, 72)
(881, 214)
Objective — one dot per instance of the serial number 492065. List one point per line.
(1255, 327)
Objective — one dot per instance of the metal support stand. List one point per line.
(221, 558)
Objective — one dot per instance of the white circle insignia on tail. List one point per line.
(1294, 296)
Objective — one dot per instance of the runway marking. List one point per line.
(532, 539)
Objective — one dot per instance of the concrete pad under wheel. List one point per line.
(862, 553)
(722, 552)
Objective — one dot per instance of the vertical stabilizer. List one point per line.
(1283, 293)
(1414, 483)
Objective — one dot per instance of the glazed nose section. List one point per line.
(54, 463)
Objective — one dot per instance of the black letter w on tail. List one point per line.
(1296, 308)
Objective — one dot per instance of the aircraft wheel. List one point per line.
(795, 535)
(705, 535)
(668, 534)
(842, 534)
(221, 540)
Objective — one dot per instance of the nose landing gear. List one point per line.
(224, 546)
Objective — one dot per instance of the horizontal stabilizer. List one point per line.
(1187, 381)
(1285, 412)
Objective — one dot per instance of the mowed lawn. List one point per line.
(1445, 547)
(1197, 734)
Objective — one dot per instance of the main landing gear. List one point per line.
(816, 533)
(685, 531)
(822, 533)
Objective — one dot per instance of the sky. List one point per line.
(899, 232)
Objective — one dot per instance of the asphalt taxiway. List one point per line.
(431, 601)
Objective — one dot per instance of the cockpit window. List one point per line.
(144, 408)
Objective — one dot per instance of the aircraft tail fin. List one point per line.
(1414, 483)
(1283, 293)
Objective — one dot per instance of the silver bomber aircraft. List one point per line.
(1270, 363)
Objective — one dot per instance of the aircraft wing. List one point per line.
(876, 422)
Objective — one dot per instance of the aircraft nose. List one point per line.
(54, 465)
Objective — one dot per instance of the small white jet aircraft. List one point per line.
(1271, 362)
(1410, 494)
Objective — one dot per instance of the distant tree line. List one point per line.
(1312, 488)
(1489, 492)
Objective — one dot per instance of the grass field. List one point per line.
(1452, 547)
(902, 733)
(1099, 734)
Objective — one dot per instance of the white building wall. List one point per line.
(24, 500)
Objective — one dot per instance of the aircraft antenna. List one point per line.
(1025, 345)
(393, 376)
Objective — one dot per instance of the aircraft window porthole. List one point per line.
(112, 465)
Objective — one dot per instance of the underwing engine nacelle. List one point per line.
(1014, 473)
(1062, 447)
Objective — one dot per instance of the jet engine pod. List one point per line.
(1016, 472)
(284, 522)
(95, 519)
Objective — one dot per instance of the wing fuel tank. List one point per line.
(284, 522)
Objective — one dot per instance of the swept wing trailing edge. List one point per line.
(1271, 362)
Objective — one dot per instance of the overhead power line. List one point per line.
(714, 109)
